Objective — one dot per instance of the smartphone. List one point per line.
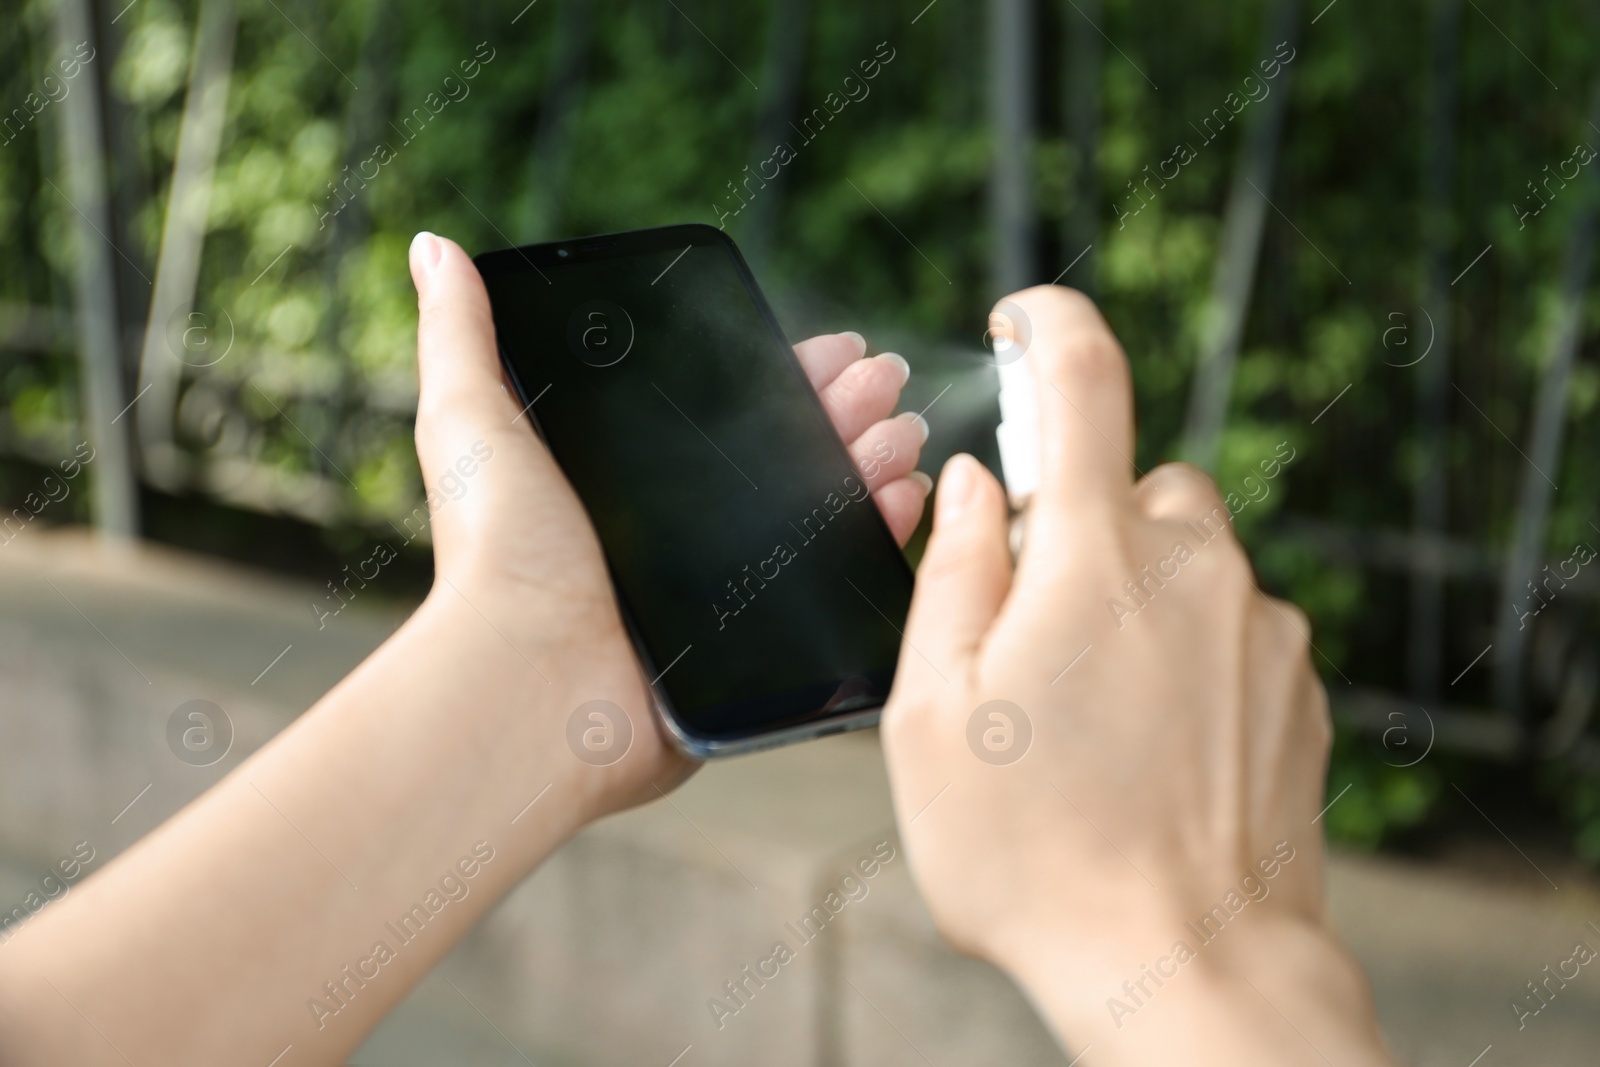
(762, 588)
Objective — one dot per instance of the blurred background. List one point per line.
(1318, 228)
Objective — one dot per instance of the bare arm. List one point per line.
(212, 940)
(301, 898)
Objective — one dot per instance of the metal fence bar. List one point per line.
(183, 238)
(114, 501)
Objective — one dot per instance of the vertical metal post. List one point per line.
(1544, 448)
(550, 164)
(1244, 220)
(1430, 504)
(183, 236)
(1085, 57)
(787, 40)
(1011, 125)
(114, 501)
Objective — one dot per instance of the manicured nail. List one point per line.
(920, 422)
(955, 488)
(425, 252)
(899, 361)
(861, 342)
(922, 479)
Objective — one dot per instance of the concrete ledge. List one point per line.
(615, 949)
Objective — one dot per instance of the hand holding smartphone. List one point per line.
(761, 586)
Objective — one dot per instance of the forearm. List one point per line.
(215, 939)
(1285, 992)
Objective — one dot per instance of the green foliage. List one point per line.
(1381, 798)
(880, 223)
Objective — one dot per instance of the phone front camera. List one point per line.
(562, 252)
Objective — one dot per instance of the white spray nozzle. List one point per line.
(1018, 432)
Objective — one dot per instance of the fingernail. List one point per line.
(899, 361)
(922, 479)
(921, 423)
(425, 253)
(955, 488)
(861, 342)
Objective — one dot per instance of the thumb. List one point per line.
(964, 576)
(458, 363)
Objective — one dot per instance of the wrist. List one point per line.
(1282, 990)
(492, 698)
(539, 678)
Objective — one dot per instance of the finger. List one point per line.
(824, 356)
(1179, 492)
(1085, 399)
(964, 577)
(865, 392)
(463, 402)
(890, 449)
(900, 503)
(1290, 727)
(458, 364)
(1293, 624)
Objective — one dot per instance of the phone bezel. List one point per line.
(556, 254)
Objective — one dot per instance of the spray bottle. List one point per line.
(1018, 432)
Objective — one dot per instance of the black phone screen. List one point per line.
(762, 585)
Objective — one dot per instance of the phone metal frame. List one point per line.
(686, 741)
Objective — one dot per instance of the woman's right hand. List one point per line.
(1118, 747)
